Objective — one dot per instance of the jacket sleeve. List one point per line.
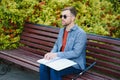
(55, 47)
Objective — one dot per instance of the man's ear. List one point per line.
(73, 18)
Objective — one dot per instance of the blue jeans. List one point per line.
(47, 73)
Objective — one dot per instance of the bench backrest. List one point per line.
(106, 52)
(40, 39)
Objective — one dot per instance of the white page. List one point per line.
(61, 64)
(44, 61)
(57, 63)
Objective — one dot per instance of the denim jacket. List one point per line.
(75, 47)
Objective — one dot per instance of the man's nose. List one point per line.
(63, 18)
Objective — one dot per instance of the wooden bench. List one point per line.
(39, 39)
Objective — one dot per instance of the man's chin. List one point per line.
(64, 24)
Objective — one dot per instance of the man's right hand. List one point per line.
(49, 56)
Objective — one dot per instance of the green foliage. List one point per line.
(94, 16)
(13, 14)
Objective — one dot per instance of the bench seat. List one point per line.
(22, 57)
(28, 60)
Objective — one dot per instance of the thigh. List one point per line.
(57, 75)
(44, 68)
(70, 70)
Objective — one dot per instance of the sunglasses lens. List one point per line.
(64, 16)
(60, 16)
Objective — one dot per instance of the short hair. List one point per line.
(72, 10)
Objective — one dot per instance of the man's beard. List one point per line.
(66, 24)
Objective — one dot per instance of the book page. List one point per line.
(57, 63)
(44, 61)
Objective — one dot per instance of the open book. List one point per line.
(57, 63)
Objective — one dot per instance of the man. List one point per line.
(71, 44)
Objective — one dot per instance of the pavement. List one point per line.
(18, 73)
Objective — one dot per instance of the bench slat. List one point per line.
(40, 52)
(37, 46)
(103, 51)
(89, 76)
(44, 33)
(104, 46)
(38, 37)
(69, 77)
(105, 64)
(22, 55)
(37, 41)
(92, 77)
(100, 75)
(107, 71)
(104, 58)
(19, 62)
(103, 39)
(42, 27)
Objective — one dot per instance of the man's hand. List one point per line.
(49, 56)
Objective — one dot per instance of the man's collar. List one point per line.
(73, 28)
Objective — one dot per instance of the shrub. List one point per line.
(94, 16)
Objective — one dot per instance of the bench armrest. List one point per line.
(89, 67)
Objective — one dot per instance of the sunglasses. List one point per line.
(64, 16)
